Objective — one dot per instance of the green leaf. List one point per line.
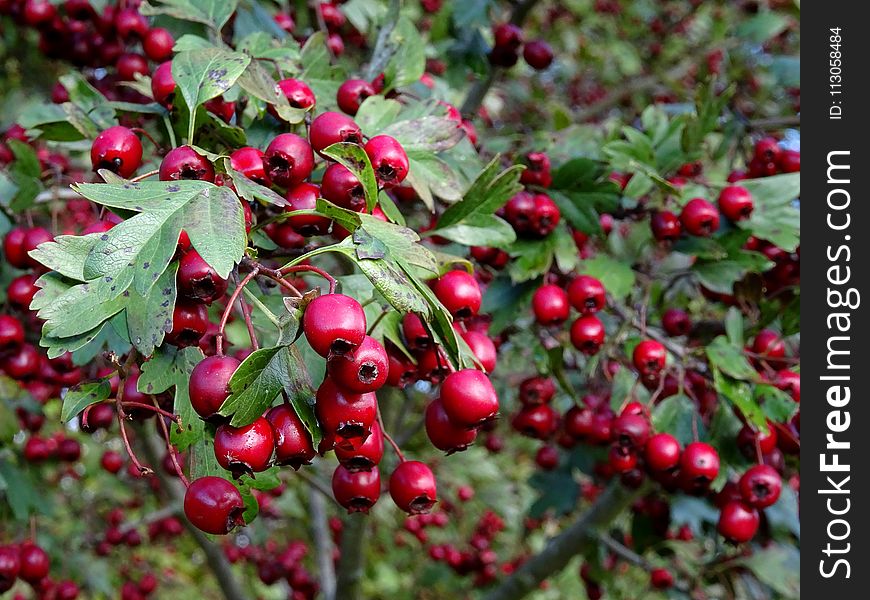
(149, 318)
(775, 217)
(480, 230)
(777, 566)
(581, 215)
(203, 462)
(762, 27)
(734, 326)
(66, 254)
(407, 62)
(729, 358)
(209, 221)
(214, 13)
(675, 415)
(430, 175)
(257, 81)
(21, 492)
(79, 397)
(427, 134)
(357, 162)
(739, 393)
(89, 100)
(778, 406)
(489, 192)
(532, 258)
(376, 113)
(189, 42)
(558, 492)
(618, 278)
(170, 368)
(392, 283)
(204, 74)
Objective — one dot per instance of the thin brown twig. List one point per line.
(219, 338)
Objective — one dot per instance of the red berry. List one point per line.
(631, 431)
(699, 217)
(662, 452)
(547, 457)
(538, 171)
(699, 465)
(158, 44)
(357, 491)
(10, 565)
(508, 35)
(111, 461)
(676, 322)
(736, 203)
(185, 163)
(537, 390)
(209, 384)
(649, 358)
(367, 456)
(297, 92)
(389, 161)
(189, 324)
(412, 487)
(738, 522)
(163, 84)
(586, 294)
(469, 398)
(351, 94)
(459, 293)
(789, 161)
(214, 505)
(330, 128)
(661, 579)
(334, 324)
(304, 197)
(289, 160)
(249, 162)
(293, 444)
(621, 460)
(38, 12)
(402, 370)
(769, 345)
(246, 449)
(760, 486)
(13, 248)
(767, 150)
(538, 54)
(482, 348)
(587, 334)
(786, 380)
(666, 226)
(118, 150)
(11, 332)
(129, 65)
(34, 563)
(443, 434)
(341, 187)
(22, 362)
(346, 418)
(197, 280)
(538, 421)
(363, 371)
(129, 22)
(21, 291)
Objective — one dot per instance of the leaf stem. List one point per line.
(173, 454)
(313, 269)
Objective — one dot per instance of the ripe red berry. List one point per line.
(22, 362)
(649, 358)
(293, 445)
(297, 92)
(189, 324)
(587, 334)
(304, 197)
(631, 431)
(249, 162)
(209, 384)
(11, 332)
(38, 12)
(661, 579)
(469, 398)
(760, 486)
(330, 128)
(35, 563)
(197, 281)
(789, 161)
(751, 442)
(416, 335)
(214, 505)
(508, 35)
(118, 150)
(363, 371)
(736, 203)
(537, 390)
(676, 322)
(483, 349)
(13, 248)
(459, 292)
(666, 226)
(547, 457)
(538, 54)
(544, 217)
(289, 160)
(586, 294)
(367, 456)
(389, 160)
(341, 187)
(129, 65)
(163, 84)
(699, 217)
(246, 449)
(538, 169)
(185, 163)
(10, 565)
(21, 291)
(767, 150)
(538, 421)
(412, 487)
(621, 459)
(738, 522)
(662, 452)
(334, 324)
(786, 380)
(129, 22)
(699, 466)
(443, 434)
(357, 491)
(351, 94)
(402, 370)
(346, 418)
(111, 461)
(157, 44)
(769, 345)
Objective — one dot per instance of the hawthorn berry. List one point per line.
(538, 168)
(769, 346)
(351, 94)
(367, 456)
(412, 487)
(699, 466)
(129, 65)
(389, 160)
(10, 565)
(331, 128)
(249, 162)
(289, 160)
(304, 197)
(767, 150)
(22, 362)
(482, 348)
(587, 334)
(184, 162)
(297, 92)
(631, 431)
(214, 505)
(416, 335)
(363, 371)
(163, 84)
(738, 522)
(786, 380)
(661, 579)
(189, 324)
(459, 292)
(538, 421)
(357, 491)
(586, 294)
(34, 563)
(538, 54)
(789, 161)
(736, 203)
(346, 418)
(341, 187)
(157, 44)
(469, 398)
(649, 358)
(676, 322)
(11, 332)
(245, 449)
(209, 384)
(547, 457)
(111, 461)
(443, 433)
(662, 452)
(334, 324)
(699, 217)
(13, 248)
(537, 390)
(197, 280)
(621, 459)
(117, 149)
(760, 486)
(666, 226)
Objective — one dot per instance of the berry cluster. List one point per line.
(508, 39)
